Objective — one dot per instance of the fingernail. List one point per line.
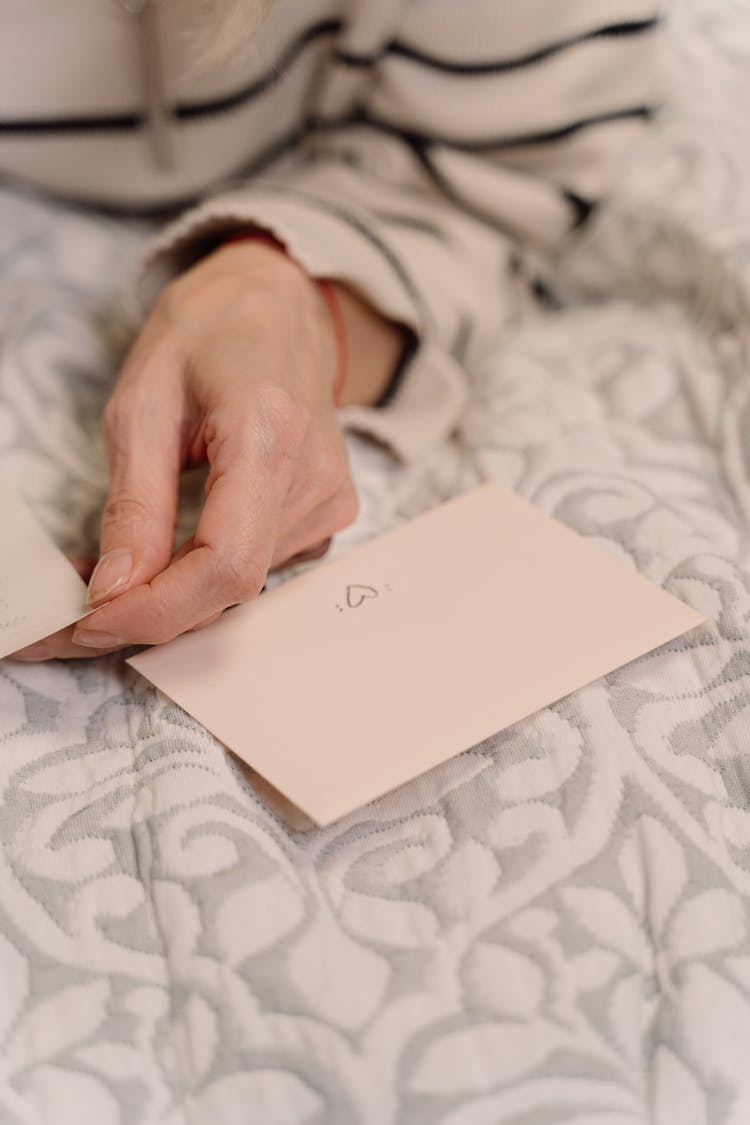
(111, 573)
(90, 638)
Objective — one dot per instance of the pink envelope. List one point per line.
(367, 670)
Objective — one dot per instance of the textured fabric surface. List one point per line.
(551, 928)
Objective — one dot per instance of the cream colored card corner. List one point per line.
(40, 592)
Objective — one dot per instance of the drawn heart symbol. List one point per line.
(355, 595)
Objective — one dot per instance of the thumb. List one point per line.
(138, 521)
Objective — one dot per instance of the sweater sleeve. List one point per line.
(440, 151)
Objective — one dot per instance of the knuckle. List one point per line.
(283, 422)
(241, 577)
(346, 507)
(156, 635)
(156, 622)
(123, 508)
(331, 472)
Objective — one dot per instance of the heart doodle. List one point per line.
(357, 594)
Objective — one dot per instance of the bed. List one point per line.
(550, 928)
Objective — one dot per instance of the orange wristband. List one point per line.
(328, 293)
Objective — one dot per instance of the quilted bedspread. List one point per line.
(551, 928)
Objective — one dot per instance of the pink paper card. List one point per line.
(367, 670)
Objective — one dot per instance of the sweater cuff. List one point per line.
(429, 400)
(323, 244)
(423, 411)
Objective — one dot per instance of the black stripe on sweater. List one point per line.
(189, 111)
(417, 223)
(422, 155)
(259, 86)
(581, 208)
(487, 144)
(35, 126)
(497, 66)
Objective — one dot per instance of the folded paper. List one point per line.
(40, 592)
(365, 671)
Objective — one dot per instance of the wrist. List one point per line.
(330, 299)
(368, 348)
(376, 344)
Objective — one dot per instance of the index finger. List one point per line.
(233, 548)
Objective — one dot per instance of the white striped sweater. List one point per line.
(409, 148)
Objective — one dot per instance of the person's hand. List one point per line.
(235, 366)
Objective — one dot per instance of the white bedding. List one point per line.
(552, 927)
